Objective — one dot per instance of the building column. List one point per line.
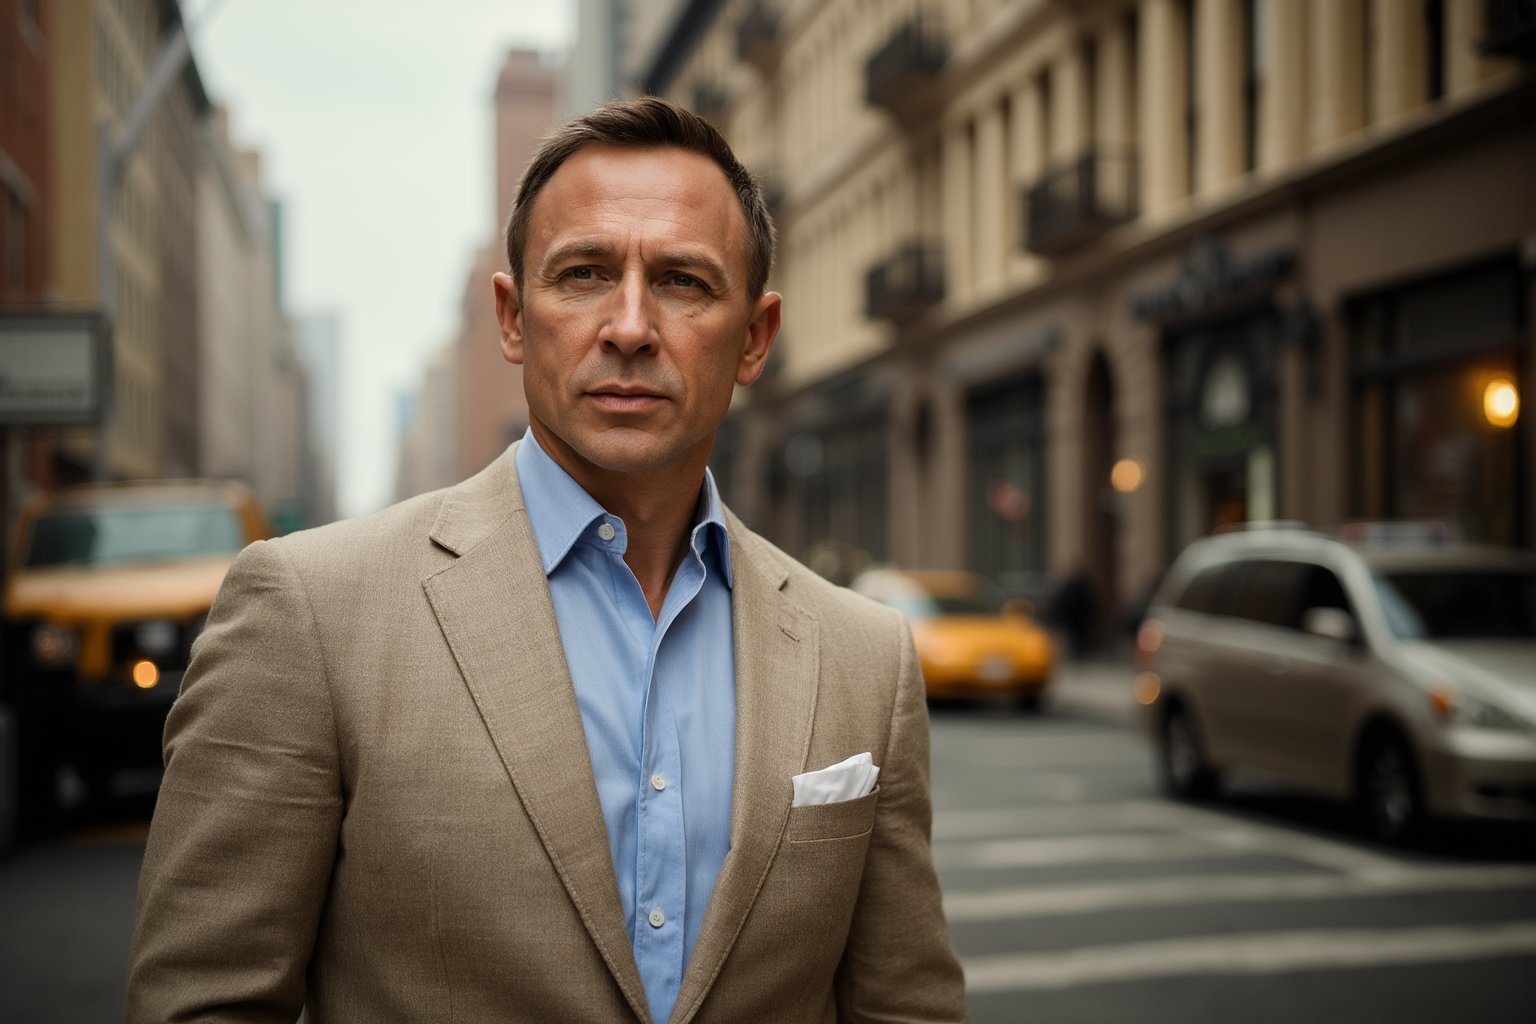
(958, 224)
(1399, 76)
(1161, 118)
(948, 468)
(990, 200)
(1337, 47)
(1283, 100)
(1219, 46)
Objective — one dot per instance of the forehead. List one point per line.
(657, 193)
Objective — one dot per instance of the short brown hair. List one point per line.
(647, 123)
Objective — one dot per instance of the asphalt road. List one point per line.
(1075, 893)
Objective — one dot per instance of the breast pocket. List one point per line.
(825, 823)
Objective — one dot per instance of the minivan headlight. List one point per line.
(1457, 707)
(54, 646)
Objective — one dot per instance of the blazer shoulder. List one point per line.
(371, 535)
(454, 518)
(815, 593)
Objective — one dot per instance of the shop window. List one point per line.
(1006, 490)
(1427, 446)
(843, 471)
(1221, 383)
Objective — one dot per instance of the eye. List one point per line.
(580, 273)
(687, 281)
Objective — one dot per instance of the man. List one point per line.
(523, 750)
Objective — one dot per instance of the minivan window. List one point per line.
(1459, 603)
(1271, 591)
(132, 533)
(1200, 593)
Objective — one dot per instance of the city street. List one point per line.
(1075, 893)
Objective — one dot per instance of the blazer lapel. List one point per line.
(495, 612)
(776, 670)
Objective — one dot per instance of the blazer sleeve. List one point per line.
(899, 964)
(244, 833)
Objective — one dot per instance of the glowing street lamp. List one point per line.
(1501, 401)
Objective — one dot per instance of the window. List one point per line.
(1434, 49)
(1006, 471)
(1253, 79)
(1204, 593)
(1191, 99)
(1271, 593)
(1423, 355)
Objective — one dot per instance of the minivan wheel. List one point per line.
(1388, 791)
(1184, 770)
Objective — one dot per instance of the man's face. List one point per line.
(634, 323)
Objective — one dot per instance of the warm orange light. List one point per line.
(1442, 701)
(1501, 401)
(1148, 639)
(145, 674)
(1146, 688)
(1126, 476)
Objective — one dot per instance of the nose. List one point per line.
(629, 326)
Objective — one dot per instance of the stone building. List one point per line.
(1068, 285)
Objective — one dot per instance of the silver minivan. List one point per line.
(1400, 675)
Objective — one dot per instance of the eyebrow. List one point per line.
(587, 249)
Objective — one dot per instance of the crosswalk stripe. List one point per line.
(1249, 953)
(1046, 851)
(1043, 901)
(1020, 821)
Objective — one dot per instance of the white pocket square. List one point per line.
(846, 780)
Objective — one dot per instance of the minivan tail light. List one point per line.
(1149, 638)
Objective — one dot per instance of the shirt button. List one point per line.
(658, 782)
(605, 531)
(657, 918)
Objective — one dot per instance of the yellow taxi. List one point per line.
(970, 640)
(108, 585)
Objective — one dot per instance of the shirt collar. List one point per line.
(560, 511)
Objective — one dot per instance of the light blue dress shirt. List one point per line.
(658, 702)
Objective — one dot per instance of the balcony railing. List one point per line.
(760, 36)
(1079, 201)
(906, 285)
(1509, 28)
(906, 67)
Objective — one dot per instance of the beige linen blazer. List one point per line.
(378, 804)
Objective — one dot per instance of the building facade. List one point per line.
(489, 409)
(1068, 285)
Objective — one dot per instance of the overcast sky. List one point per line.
(373, 118)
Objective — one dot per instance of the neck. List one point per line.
(657, 505)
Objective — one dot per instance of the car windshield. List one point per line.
(918, 605)
(132, 533)
(1451, 603)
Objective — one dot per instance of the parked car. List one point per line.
(970, 641)
(107, 588)
(1400, 674)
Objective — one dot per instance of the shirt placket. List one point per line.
(661, 855)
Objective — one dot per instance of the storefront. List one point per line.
(1435, 371)
(1006, 513)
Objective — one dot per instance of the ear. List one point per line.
(761, 332)
(509, 314)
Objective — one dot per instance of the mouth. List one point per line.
(624, 397)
